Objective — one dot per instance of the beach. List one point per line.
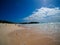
(30, 34)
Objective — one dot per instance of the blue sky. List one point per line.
(17, 10)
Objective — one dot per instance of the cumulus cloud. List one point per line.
(39, 14)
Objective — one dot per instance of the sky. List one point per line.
(28, 10)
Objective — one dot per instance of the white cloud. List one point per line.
(42, 12)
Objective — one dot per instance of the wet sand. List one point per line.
(36, 34)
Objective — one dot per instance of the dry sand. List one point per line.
(11, 34)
